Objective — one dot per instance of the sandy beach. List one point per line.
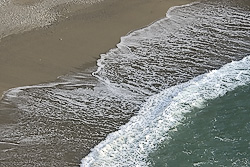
(71, 44)
(105, 104)
(76, 40)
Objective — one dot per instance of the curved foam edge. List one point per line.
(131, 145)
(168, 15)
(14, 91)
(122, 45)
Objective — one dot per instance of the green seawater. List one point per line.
(216, 135)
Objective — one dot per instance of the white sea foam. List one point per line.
(191, 40)
(131, 145)
(83, 108)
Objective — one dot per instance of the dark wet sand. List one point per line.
(44, 54)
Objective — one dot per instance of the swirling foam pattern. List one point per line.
(131, 145)
(75, 113)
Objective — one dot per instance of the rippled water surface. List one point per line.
(216, 135)
(148, 74)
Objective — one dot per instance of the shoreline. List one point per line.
(60, 125)
(43, 54)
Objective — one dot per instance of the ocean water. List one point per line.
(217, 134)
(149, 132)
(143, 94)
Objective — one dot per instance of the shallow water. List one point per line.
(162, 113)
(56, 124)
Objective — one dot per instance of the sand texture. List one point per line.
(76, 40)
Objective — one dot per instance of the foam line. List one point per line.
(131, 145)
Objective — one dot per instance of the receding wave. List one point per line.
(191, 40)
(78, 111)
(131, 145)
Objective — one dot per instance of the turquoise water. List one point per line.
(217, 135)
(140, 94)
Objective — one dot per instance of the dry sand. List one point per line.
(77, 40)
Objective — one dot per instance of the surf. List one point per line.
(131, 145)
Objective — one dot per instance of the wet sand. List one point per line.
(77, 40)
(74, 42)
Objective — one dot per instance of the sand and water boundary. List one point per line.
(74, 41)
